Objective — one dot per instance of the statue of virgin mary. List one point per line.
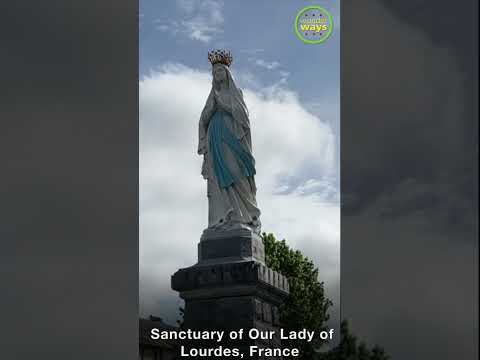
(226, 145)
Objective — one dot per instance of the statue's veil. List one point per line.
(236, 103)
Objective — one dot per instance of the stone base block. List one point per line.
(244, 278)
(230, 246)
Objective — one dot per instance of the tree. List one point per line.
(349, 349)
(306, 306)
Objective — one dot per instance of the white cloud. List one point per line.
(252, 51)
(199, 20)
(269, 65)
(287, 141)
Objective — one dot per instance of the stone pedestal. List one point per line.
(231, 288)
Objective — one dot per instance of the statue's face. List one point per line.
(219, 73)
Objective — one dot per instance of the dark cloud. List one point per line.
(414, 126)
(68, 189)
(409, 190)
(446, 24)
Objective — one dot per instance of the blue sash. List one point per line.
(219, 134)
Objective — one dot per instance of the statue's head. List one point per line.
(220, 60)
(223, 81)
(219, 73)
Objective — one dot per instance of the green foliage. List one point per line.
(349, 349)
(306, 307)
(180, 321)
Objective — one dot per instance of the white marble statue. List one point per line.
(226, 145)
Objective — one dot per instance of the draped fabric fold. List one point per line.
(220, 135)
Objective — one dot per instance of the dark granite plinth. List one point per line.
(231, 288)
(243, 278)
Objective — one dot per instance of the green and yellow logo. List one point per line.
(313, 25)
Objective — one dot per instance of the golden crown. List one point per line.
(220, 56)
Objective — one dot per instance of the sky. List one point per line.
(409, 144)
(409, 149)
(292, 92)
